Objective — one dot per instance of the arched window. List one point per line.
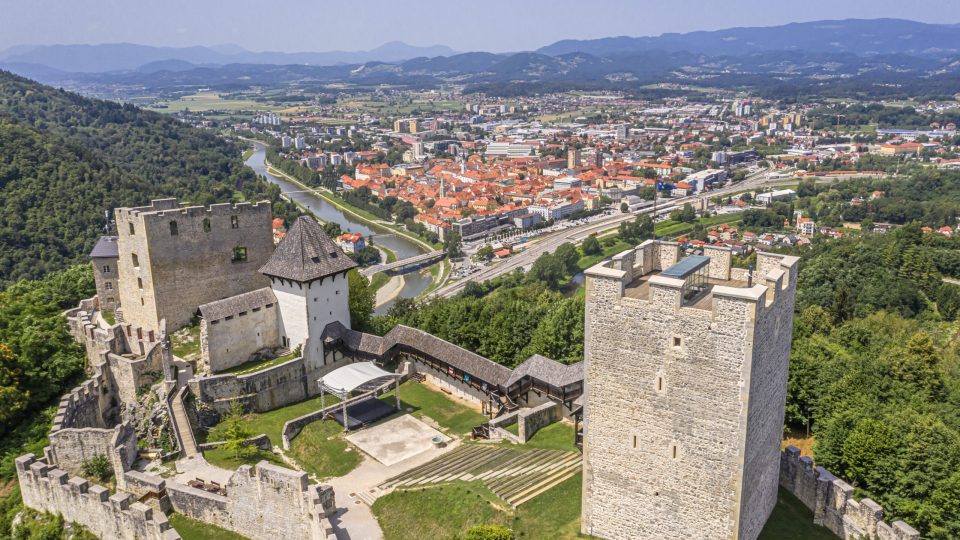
(173, 228)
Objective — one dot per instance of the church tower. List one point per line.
(308, 275)
(685, 384)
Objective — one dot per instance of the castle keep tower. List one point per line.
(173, 258)
(685, 385)
(308, 275)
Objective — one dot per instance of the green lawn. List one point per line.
(321, 450)
(454, 416)
(791, 520)
(221, 458)
(259, 365)
(271, 422)
(556, 436)
(448, 510)
(185, 343)
(110, 317)
(191, 529)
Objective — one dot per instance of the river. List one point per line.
(415, 282)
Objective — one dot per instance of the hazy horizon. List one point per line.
(496, 26)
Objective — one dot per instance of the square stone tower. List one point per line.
(685, 385)
(174, 258)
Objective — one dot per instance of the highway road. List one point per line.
(550, 242)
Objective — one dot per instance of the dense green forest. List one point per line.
(65, 160)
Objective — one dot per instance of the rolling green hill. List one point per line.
(65, 160)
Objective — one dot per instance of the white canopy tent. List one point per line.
(359, 376)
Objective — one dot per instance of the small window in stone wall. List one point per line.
(239, 254)
(132, 231)
(206, 224)
(110, 300)
(634, 441)
(108, 286)
(136, 260)
(139, 283)
(677, 342)
(674, 451)
(234, 222)
(174, 230)
(659, 383)
(106, 269)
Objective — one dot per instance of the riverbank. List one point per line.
(357, 213)
(389, 291)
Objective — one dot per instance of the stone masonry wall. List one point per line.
(116, 517)
(178, 272)
(767, 369)
(263, 503)
(69, 448)
(268, 389)
(667, 401)
(532, 420)
(227, 343)
(832, 503)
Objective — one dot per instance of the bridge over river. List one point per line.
(405, 265)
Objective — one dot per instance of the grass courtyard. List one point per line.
(191, 529)
(448, 510)
(455, 417)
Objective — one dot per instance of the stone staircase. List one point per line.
(181, 425)
(514, 475)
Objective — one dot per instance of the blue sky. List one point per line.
(491, 25)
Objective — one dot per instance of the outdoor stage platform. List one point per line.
(363, 412)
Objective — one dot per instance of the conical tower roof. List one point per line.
(306, 253)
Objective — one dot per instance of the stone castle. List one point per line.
(681, 394)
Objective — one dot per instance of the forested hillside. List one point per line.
(65, 160)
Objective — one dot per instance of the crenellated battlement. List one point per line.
(832, 503)
(110, 517)
(167, 208)
(646, 274)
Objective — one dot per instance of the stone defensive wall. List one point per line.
(263, 503)
(290, 382)
(261, 391)
(832, 503)
(532, 420)
(116, 517)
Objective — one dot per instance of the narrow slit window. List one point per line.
(174, 231)
(206, 224)
(634, 441)
(234, 222)
(132, 231)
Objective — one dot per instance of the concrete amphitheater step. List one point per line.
(526, 484)
(548, 483)
(530, 475)
(550, 464)
(514, 462)
(466, 465)
(518, 467)
(428, 467)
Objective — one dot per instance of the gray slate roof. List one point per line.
(539, 367)
(214, 311)
(106, 247)
(306, 254)
(549, 371)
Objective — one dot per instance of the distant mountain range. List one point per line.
(881, 52)
(857, 36)
(129, 56)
